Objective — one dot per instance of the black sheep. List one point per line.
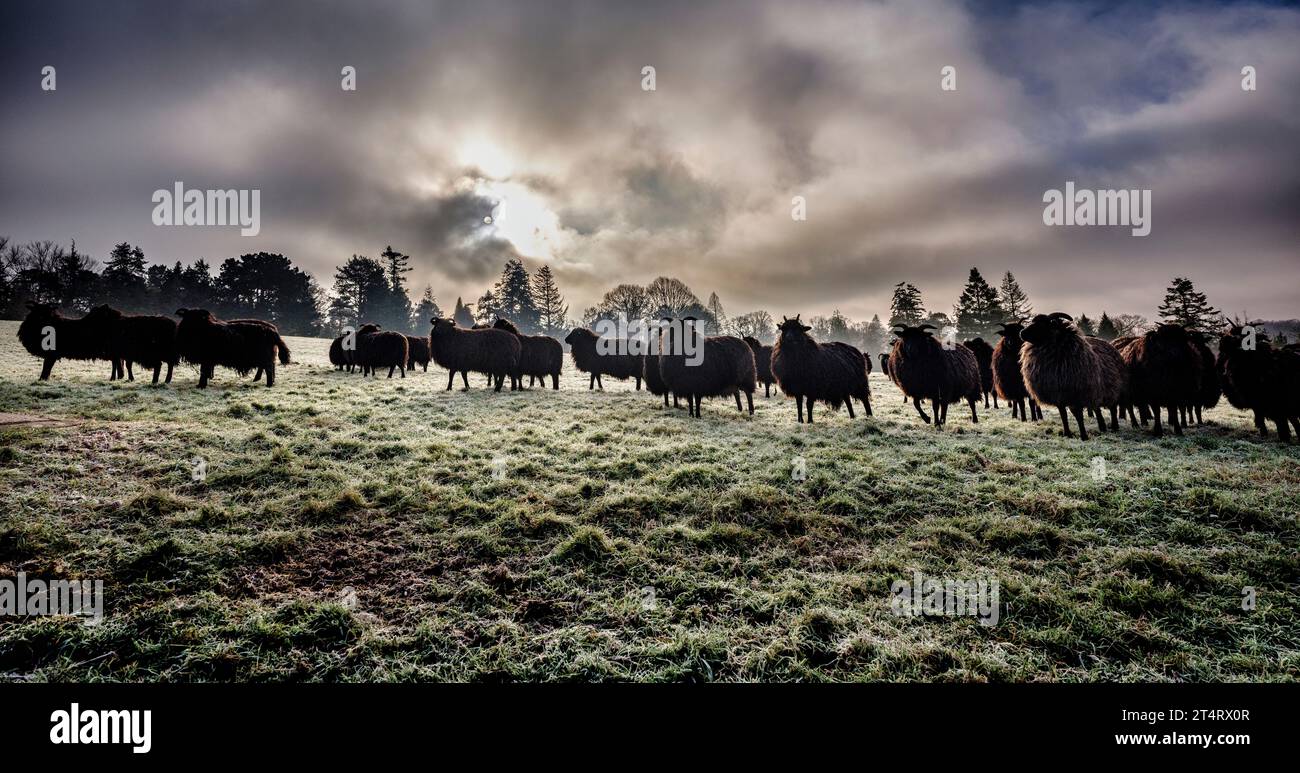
(539, 356)
(654, 380)
(1007, 381)
(833, 373)
(145, 340)
(1164, 370)
(1062, 367)
(763, 363)
(884, 365)
(585, 346)
(418, 346)
(343, 352)
(984, 357)
(284, 348)
(378, 348)
(696, 366)
(206, 341)
(483, 350)
(47, 334)
(1261, 380)
(926, 370)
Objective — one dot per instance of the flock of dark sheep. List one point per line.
(1045, 362)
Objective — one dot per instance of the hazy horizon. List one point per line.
(535, 115)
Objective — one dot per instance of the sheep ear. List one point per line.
(181, 312)
(805, 328)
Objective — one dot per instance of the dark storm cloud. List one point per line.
(462, 105)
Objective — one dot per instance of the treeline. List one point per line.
(268, 286)
(259, 285)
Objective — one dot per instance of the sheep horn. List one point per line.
(926, 326)
(1060, 315)
(181, 312)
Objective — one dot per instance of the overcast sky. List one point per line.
(533, 113)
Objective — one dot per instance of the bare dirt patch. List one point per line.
(32, 420)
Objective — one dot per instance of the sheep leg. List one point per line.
(916, 402)
(403, 372)
(46, 368)
(1173, 420)
(501, 380)
(130, 374)
(1065, 421)
(1156, 428)
(1015, 410)
(1199, 422)
(749, 398)
(270, 374)
(943, 411)
(675, 403)
(1259, 424)
(986, 401)
(451, 379)
(555, 381)
(974, 419)
(665, 399)
(600, 384)
(169, 373)
(592, 384)
(204, 372)
(810, 407)
(849, 403)
(1283, 430)
(738, 406)
(799, 401)
(157, 372)
(1101, 420)
(1078, 417)
(464, 378)
(1114, 418)
(995, 401)
(638, 383)
(767, 390)
(866, 403)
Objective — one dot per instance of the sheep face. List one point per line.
(369, 327)
(792, 333)
(917, 339)
(1011, 331)
(506, 325)
(1047, 329)
(441, 325)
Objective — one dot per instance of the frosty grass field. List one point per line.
(353, 529)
